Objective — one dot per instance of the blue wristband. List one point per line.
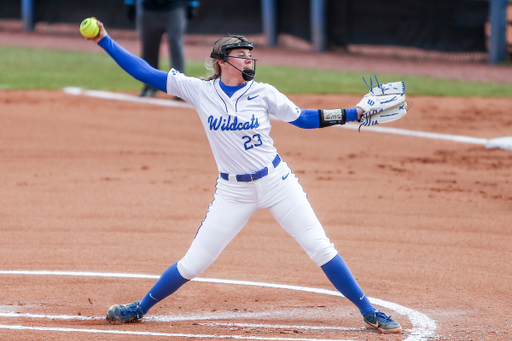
(351, 114)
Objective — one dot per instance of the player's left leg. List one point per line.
(295, 215)
(293, 211)
(340, 276)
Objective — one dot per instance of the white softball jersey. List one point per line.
(237, 127)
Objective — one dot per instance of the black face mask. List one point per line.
(247, 75)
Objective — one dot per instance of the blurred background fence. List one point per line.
(420, 28)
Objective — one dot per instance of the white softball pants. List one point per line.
(235, 202)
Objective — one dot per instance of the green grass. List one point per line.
(300, 80)
(25, 68)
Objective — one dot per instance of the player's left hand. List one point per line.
(393, 88)
(381, 96)
(383, 103)
(372, 103)
(383, 116)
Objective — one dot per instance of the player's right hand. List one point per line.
(103, 32)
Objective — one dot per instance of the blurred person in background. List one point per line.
(153, 18)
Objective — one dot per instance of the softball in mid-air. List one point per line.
(89, 28)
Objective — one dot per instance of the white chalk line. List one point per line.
(275, 326)
(415, 133)
(51, 317)
(423, 327)
(126, 98)
(174, 319)
(124, 332)
(350, 126)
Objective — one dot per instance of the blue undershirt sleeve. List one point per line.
(137, 67)
(351, 114)
(308, 119)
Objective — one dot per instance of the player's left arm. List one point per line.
(280, 106)
(383, 103)
(313, 118)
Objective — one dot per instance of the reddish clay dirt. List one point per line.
(92, 185)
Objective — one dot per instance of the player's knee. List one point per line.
(189, 271)
(323, 255)
(194, 263)
(316, 244)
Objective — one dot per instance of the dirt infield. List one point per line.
(100, 186)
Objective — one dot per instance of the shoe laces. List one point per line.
(383, 317)
(131, 309)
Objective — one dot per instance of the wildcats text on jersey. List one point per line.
(226, 124)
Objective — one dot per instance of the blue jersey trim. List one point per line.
(137, 67)
(230, 90)
(236, 103)
(225, 105)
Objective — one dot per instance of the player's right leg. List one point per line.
(233, 205)
(230, 210)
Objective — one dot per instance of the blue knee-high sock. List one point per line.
(170, 281)
(340, 276)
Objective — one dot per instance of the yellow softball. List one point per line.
(89, 28)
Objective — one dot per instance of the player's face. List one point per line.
(240, 54)
(241, 61)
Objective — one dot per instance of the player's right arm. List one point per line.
(137, 67)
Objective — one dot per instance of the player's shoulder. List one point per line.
(178, 74)
(181, 78)
(264, 88)
(262, 85)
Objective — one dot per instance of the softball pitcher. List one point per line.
(235, 113)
